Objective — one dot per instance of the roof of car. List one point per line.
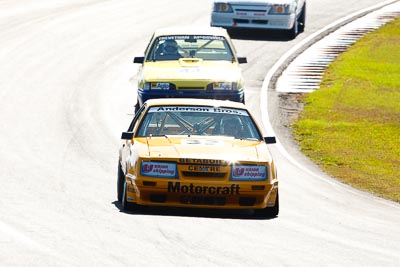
(194, 102)
(192, 31)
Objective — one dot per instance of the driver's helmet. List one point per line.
(231, 125)
(170, 47)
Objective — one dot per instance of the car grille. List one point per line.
(247, 21)
(213, 170)
(250, 8)
(241, 21)
(205, 200)
(260, 21)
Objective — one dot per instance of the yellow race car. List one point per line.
(197, 153)
(190, 63)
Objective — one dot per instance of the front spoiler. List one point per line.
(247, 199)
(233, 95)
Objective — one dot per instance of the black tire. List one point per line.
(302, 19)
(128, 206)
(269, 212)
(292, 33)
(120, 182)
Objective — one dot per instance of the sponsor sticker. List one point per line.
(203, 168)
(190, 71)
(259, 14)
(199, 109)
(160, 86)
(202, 142)
(244, 172)
(204, 161)
(159, 169)
(176, 187)
(191, 37)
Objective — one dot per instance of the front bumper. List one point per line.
(233, 95)
(158, 194)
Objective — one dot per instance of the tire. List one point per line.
(120, 182)
(302, 19)
(269, 212)
(292, 33)
(127, 206)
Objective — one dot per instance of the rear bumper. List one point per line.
(233, 95)
(229, 20)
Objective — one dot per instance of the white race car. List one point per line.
(288, 15)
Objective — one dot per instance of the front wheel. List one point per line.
(120, 182)
(127, 206)
(269, 212)
(292, 33)
(302, 19)
(125, 203)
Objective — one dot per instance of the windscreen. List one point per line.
(198, 120)
(206, 47)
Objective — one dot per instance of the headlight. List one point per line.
(222, 7)
(249, 173)
(157, 86)
(158, 169)
(282, 9)
(224, 86)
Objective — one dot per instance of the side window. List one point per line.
(138, 115)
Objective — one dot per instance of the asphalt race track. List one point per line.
(67, 86)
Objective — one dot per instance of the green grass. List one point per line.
(351, 125)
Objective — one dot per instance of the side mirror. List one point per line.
(242, 60)
(127, 135)
(139, 60)
(270, 139)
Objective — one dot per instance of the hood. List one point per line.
(191, 69)
(174, 148)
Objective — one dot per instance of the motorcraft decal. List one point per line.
(176, 187)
